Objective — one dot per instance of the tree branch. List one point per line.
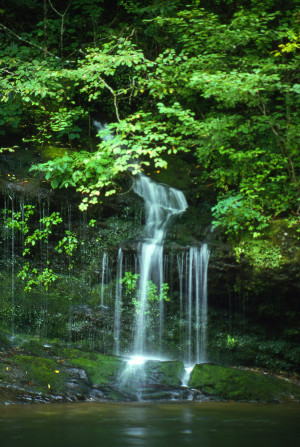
(25, 40)
(114, 96)
(62, 30)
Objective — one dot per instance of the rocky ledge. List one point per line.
(43, 373)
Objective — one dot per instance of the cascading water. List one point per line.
(104, 271)
(13, 265)
(198, 263)
(118, 303)
(162, 203)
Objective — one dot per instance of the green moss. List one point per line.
(36, 348)
(101, 369)
(171, 373)
(228, 383)
(41, 373)
(51, 152)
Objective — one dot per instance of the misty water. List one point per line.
(205, 424)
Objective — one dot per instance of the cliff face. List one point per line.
(252, 285)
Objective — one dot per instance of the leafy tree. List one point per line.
(221, 81)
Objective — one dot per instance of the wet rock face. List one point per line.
(152, 380)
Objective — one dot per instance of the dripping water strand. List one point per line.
(118, 303)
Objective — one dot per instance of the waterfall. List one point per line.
(12, 265)
(118, 303)
(104, 271)
(196, 312)
(190, 306)
(204, 258)
(180, 264)
(162, 203)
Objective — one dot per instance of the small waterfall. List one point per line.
(190, 307)
(204, 258)
(180, 264)
(118, 302)
(99, 126)
(12, 265)
(162, 204)
(104, 274)
(197, 304)
(186, 375)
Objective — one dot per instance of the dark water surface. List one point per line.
(203, 424)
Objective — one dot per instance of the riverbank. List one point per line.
(33, 371)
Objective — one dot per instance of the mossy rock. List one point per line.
(222, 382)
(151, 379)
(167, 373)
(37, 348)
(41, 373)
(101, 369)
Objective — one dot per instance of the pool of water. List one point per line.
(205, 424)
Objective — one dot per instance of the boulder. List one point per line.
(222, 382)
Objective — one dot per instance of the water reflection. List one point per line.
(150, 425)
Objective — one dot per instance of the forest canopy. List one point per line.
(218, 80)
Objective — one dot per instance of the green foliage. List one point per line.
(9, 149)
(231, 341)
(216, 79)
(260, 253)
(34, 278)
(43, 233)
(130, 282)
(236, 213)
(251, 350)
(20, 222)
(154, 295)
(68, 243)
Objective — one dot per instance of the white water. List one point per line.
(196, 308)
(186, 375)
(162, 204)
(201, 355)
(118, 303)
(99, 126)
(104, 271)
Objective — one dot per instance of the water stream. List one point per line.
(118, 302)
(184, 272)
(104, 273)
(162, 204)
